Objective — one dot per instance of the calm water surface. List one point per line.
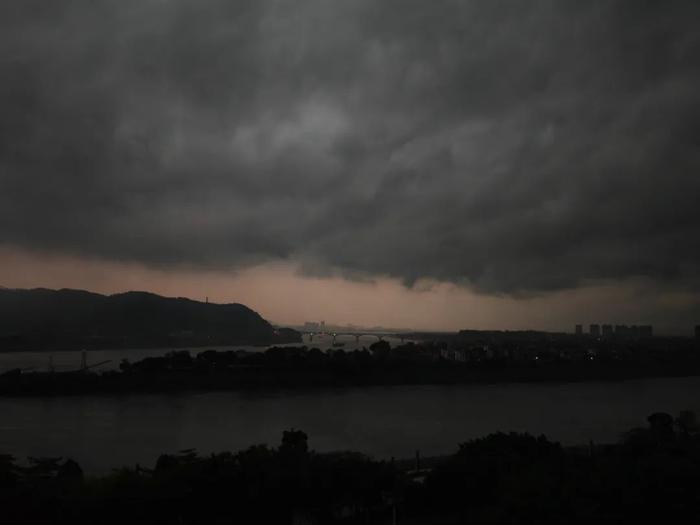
(104, 432)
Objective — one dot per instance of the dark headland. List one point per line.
(42, 319)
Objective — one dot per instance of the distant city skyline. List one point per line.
(284, 297)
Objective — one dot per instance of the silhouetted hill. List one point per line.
(41, 318)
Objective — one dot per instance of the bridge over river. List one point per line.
(336, 336)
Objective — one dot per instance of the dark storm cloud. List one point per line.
(513, 146)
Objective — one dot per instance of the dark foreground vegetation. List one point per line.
(651, 476)
(571, 359)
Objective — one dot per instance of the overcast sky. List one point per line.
(442, 163)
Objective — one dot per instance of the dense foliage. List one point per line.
(652, 474)
(380, 364)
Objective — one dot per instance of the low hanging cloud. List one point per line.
(510, 146)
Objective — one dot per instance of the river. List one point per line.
(104, 432)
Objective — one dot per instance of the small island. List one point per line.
(565, 359)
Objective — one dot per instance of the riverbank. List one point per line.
(149, 377)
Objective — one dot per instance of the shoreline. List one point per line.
(110, 384)
(169, 348)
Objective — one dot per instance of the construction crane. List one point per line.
(88, 367)
(17, 371)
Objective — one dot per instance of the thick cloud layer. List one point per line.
(513, 146)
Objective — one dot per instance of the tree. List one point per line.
(661, 427)
(294, 442)
(687, 423)
(70, 471)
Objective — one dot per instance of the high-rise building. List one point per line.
(697, 331)
(646, 331)
(579, 329)
(607, 330)
(634, 331)
(595, 330)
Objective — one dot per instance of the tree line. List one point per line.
(651, 475)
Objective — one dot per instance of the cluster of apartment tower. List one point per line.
(619, 330)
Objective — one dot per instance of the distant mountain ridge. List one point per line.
(41, 319)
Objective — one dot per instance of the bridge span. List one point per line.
(357, 335)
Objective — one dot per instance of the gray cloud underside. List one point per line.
(514, 146)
